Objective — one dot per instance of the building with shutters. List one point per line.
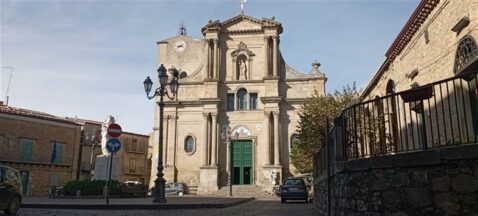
(27, 141)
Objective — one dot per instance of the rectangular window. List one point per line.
(26, 149)
(253, 102)
(57, 156)
(134, 145)
(230, 102)
(54, 179)
(132, 166)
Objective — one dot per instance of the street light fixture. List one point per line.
(233, 138)
(229, 138)
(159, 183)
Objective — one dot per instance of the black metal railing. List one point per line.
(435, 115)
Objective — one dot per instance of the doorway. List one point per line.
(25, 175)
(242, 162)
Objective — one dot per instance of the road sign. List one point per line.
(114, 130)
(113, 145)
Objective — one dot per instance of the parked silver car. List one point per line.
(176, 188)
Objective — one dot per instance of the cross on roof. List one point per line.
(242, 2)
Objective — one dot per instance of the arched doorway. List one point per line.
(242, 157)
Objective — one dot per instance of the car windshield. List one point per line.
(293, 182)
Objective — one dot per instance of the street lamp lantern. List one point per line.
(162, 75)
(159, 183)
(148, 84)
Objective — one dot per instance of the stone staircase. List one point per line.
(242, 191)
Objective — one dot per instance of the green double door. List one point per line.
(242, 162)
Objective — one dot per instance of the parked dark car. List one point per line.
(176, 188)
(294, 189)
(133, 189)
(10, 190)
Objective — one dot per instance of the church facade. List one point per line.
(236, 108)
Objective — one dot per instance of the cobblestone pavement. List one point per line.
(252, 208)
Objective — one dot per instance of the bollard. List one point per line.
(78, 193)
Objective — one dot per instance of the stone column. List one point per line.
(267, 140)
(215, 64)
(204, 161)
(214, 140)
(208, 59)
(276, 139)
(175, 138)
(166, 146)
(266, 55)
(275, 52)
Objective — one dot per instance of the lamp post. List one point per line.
(159, 183)
(233, 138)
(226, 134)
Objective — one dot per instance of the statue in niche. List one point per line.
(242, 69)
(104, 133)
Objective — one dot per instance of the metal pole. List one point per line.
(91, 158)
(159, 195)
(230, 168)
(108, 185)
(327, 156)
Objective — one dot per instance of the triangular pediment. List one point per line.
(243, 24)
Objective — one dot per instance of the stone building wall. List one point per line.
(440, 182)
(431, 50)
(43, 129)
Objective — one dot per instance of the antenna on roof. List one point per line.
(8, 84)
(242, 2)
(182, 29)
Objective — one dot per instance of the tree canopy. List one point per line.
(311, 128)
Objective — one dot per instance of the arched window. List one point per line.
(466, 53)
(189, 144)
(242, 99)
(390, 87)
(294, 140)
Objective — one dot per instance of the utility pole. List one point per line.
(8, 84)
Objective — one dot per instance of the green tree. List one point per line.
(311, 129)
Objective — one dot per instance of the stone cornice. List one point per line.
(296, 100)
(243, 81)
(210, 100)
(304, 79)
(271, 99)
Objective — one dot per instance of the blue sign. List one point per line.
(113, 145)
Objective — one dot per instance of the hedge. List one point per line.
(88, 187)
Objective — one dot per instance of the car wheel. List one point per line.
(282, 200)
(13, 206)
(180, 193)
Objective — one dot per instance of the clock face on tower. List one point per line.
(180, 46)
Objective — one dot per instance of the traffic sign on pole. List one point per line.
(114, 130)
(113, 145)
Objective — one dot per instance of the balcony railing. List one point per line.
(436, 115)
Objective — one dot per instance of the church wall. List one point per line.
(435, 59)
(199, 93)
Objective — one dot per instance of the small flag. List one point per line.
(53, 153)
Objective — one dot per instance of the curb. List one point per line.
(137, 206)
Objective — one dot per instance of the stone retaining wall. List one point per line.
(434, 182)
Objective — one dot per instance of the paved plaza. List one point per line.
(260, 206)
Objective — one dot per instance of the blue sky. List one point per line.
(89, 58)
